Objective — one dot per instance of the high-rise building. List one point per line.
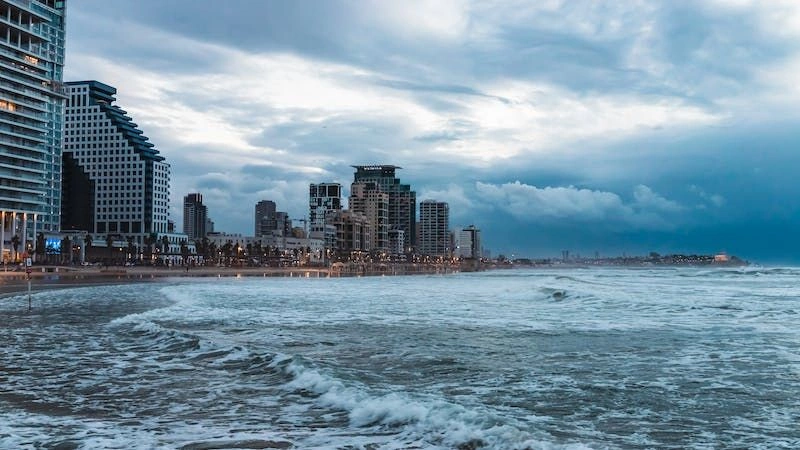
(264, 218)
(323, 198)
(209, 225)
(353, 231)
(195, 216)
(402, 207)
(283, 224)
(112, 168)
(366, 198)
(31, 118)
(396, 240)
(468, 243)
(434, 224)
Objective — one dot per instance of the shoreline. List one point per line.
(13, 284)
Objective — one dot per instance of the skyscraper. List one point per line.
(323, 199)
(366, 198)
(195, 216)
(264, 217)
(402, 209)
(31, 117)
(434, 223)
(112, 167)
(468, 243)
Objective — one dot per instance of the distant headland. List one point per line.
(652, 259)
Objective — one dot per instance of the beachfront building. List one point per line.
(195, 216)
(434, 232)
(118, 182)
(396, 242)
(285, 249)
(31, 122)
(264, 217)
(353, 233)
(367, 198)
(402, 205)
(324, 199)
(468, 243)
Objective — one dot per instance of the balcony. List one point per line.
(25, 30)
(21, 69)
(13, 108)
(34, 9)
(18, 157)
(16, 88)
(12, 134)
(22, 100)
(21, 165)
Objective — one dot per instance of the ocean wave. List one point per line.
(428, 421)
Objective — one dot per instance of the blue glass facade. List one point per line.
(31, 117)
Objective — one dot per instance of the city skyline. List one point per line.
(610, 129)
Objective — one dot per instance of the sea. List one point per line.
(597, 358)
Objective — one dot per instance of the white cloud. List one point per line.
(220, 110)
(645, 198)
(552, 204)
(714, 200)
(437, 19)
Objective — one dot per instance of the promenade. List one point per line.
(14, 283)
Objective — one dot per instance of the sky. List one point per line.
(589, 126)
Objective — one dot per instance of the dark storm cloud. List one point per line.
(551, 125)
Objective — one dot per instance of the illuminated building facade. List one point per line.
(31, 120)
(434, 224)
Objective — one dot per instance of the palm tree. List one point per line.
(227, 250)
(259, 251)
(148, 242)
(212, 250)
(40, 247)
(66, 250)
(131, 248)
(185, 252)
(87, 241)
(205, 249)
(15, 241)
(165, 243)
(110, 245)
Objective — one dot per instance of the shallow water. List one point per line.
(581, 358)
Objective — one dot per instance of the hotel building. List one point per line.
(324, 199)
(402, 205)
(195, 216)
(434, 223)
(353, 232)
(265, 221)
(468, 243)
(111, 167)
(31, 120)
(367, 199)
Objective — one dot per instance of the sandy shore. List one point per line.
(16, 283)
(47, 278)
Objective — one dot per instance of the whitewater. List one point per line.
(599, 358)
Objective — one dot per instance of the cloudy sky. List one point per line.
(591, 126)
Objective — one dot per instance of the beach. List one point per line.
(13, 283)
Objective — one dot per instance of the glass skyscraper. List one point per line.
(31, 120)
